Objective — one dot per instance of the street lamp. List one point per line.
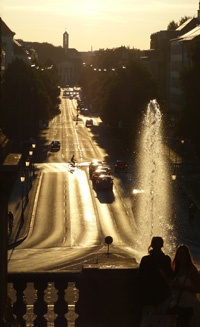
(173, 177)
(33, 147)
(27, 178)
(22, 195)
(30, 157)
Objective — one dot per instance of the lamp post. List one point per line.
(27, 178)
(173, 177)
(33, 147)
(30, 156)
(22, 195)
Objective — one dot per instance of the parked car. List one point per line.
(55, 145)
(121, 166)
(89, 123)
(94, 165)
(104, 182)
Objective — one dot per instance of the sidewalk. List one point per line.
(18, 204)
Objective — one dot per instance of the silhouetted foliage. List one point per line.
(172, 26)
(119, 95)
(29, 95)
(46, 50)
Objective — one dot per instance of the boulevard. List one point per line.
(70, 219)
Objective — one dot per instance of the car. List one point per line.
(94, 165)
(55, 145)
(89, 123)
(99, 171)
(104, 182)
(121, 166)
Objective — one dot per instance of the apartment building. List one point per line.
(179, 59)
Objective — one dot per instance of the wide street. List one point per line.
(70, 219)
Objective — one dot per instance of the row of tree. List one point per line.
(29, 94)
(119, 90)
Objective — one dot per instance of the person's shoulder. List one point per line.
(145, 258)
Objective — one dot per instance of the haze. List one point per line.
(93, 24)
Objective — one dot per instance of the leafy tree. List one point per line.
(120, 95)
(172, 26)
(25, 99)
(46, 50)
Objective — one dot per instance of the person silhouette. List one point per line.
(154, 274)
(185, 284)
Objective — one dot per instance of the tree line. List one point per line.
(119, 87)
(29, 94)
(116, 84)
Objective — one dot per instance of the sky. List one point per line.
(93, 24)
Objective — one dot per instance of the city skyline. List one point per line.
(93, 24)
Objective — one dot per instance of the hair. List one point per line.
(189, 260)
(156, 244)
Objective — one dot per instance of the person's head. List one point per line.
(156, 244)
(182, 258)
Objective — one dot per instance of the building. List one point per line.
(179, 59)
(6, 45)
(165, 58)
(10, 48)
(69, 69)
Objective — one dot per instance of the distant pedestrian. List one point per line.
(154, 274)
(192, 211)
(185, 284)
(10, 221)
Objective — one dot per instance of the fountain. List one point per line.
(153, 204)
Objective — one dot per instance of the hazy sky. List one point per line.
(93, 23)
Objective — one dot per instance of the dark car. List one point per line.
(94, 165)
(121, 166)
(104, 182)
(99, 171)
(89, 123)
(55, 145)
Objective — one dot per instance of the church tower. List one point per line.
(65, 42)
(198, 13)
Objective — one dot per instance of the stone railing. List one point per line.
(92, 298)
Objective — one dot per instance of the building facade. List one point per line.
(69, 69)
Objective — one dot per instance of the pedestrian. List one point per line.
(185, 284)
(154, 274)
(10, 221)
(192, 211)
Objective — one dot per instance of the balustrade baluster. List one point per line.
(50, 298)
(40, 304)
(30, 297)
(71, 297)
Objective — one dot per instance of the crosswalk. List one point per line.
(60, 167)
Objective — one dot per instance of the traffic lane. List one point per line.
(73, 233)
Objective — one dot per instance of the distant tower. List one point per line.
(65, 42)
(198, 13)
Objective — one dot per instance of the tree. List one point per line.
(25, 99)
(120, 95)
(172, 26)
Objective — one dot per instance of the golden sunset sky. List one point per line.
(93, 24)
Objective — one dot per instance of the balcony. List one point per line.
(91, 298)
